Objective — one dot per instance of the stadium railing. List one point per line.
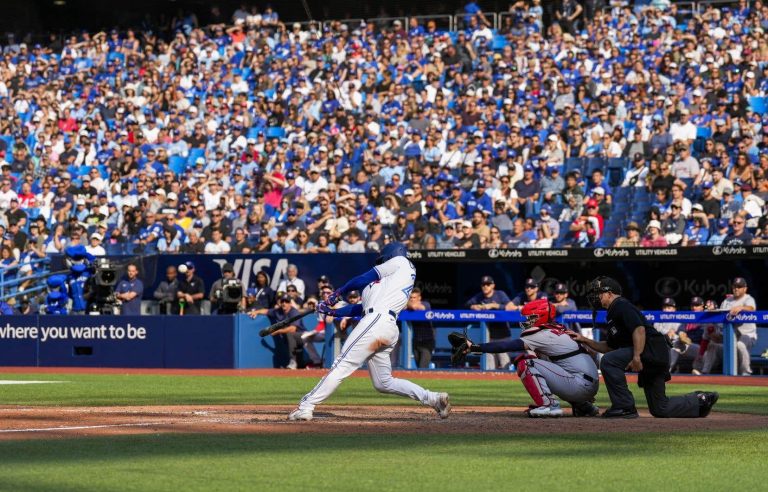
(477, 323)
(10, 280)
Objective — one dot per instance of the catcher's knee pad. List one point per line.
(532, 381)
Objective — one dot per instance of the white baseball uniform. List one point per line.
(374, 337)
(561, 368)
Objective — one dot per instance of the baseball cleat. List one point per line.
(300, 414)
(546, 411)
(443, 405)
(707, 400)
(620, 413)
(585, 409)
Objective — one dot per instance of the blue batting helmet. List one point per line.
(390, 251)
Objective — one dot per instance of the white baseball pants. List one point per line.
(371, 341)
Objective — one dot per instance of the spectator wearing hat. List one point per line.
(631, 239)
(528, 191)
(561, 301)
(673, 226)
(530, 292)
(489, 298)
(191, 290)
(552, 184)
(290, 336)
(94, 247)
(720, 233)
(752, 204)
(653, 237)
(603, 207)
(697, 233)
(746, 333)
(129, 292)
(549, 226)
(636, 176)
(690, 341)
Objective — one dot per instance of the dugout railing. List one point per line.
(477, 323)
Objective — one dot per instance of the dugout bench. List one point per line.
(445, 321)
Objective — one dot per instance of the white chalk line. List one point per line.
(16, 381)
(83, 427)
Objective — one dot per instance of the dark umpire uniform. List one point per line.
(622, 319)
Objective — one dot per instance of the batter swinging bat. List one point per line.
(282, 324)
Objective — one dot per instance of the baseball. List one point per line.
(182, 268)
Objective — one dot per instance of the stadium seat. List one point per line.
(275, 132)
(193, 155)
(254, 131)
(594, 163)
(499, 42)
(177, 164)
(573, 163)
(703, 132)
(759, 105)
(617, 163)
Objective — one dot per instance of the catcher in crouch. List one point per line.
(552, 366)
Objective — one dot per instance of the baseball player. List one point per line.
(552, 366)
(385, 292)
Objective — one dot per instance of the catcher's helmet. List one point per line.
(390, 251)
(600, 285)
(537, 313)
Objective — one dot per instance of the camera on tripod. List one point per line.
(103, 282)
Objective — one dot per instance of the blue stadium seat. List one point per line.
(615, 176)
(193, 155)
(703, 132)
(177, 164)
(573, 163)
(618, 163)
(275, 132)
(594, 163)
(499, 42)
(759, 105)
(254, 131)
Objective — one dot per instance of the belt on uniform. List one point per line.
(371, 310)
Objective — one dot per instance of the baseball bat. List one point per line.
(282, 324)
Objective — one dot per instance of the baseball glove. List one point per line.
(460, 346)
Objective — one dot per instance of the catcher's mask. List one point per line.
(537, 313)
(598, 286)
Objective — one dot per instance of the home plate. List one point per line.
(12, 381)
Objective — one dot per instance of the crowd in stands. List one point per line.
(633, 126)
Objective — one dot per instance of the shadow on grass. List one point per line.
(296, 446)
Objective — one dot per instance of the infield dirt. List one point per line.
(18, 423)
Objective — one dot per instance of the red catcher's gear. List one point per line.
(537, 313)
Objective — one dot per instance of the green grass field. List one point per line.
(716, 460)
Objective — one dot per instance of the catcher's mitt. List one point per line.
(460, 347)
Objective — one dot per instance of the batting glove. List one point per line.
(323, 308)
(334, 298)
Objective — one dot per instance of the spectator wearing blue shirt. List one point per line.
(697, 233)
(477, 200)
(129, 292)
